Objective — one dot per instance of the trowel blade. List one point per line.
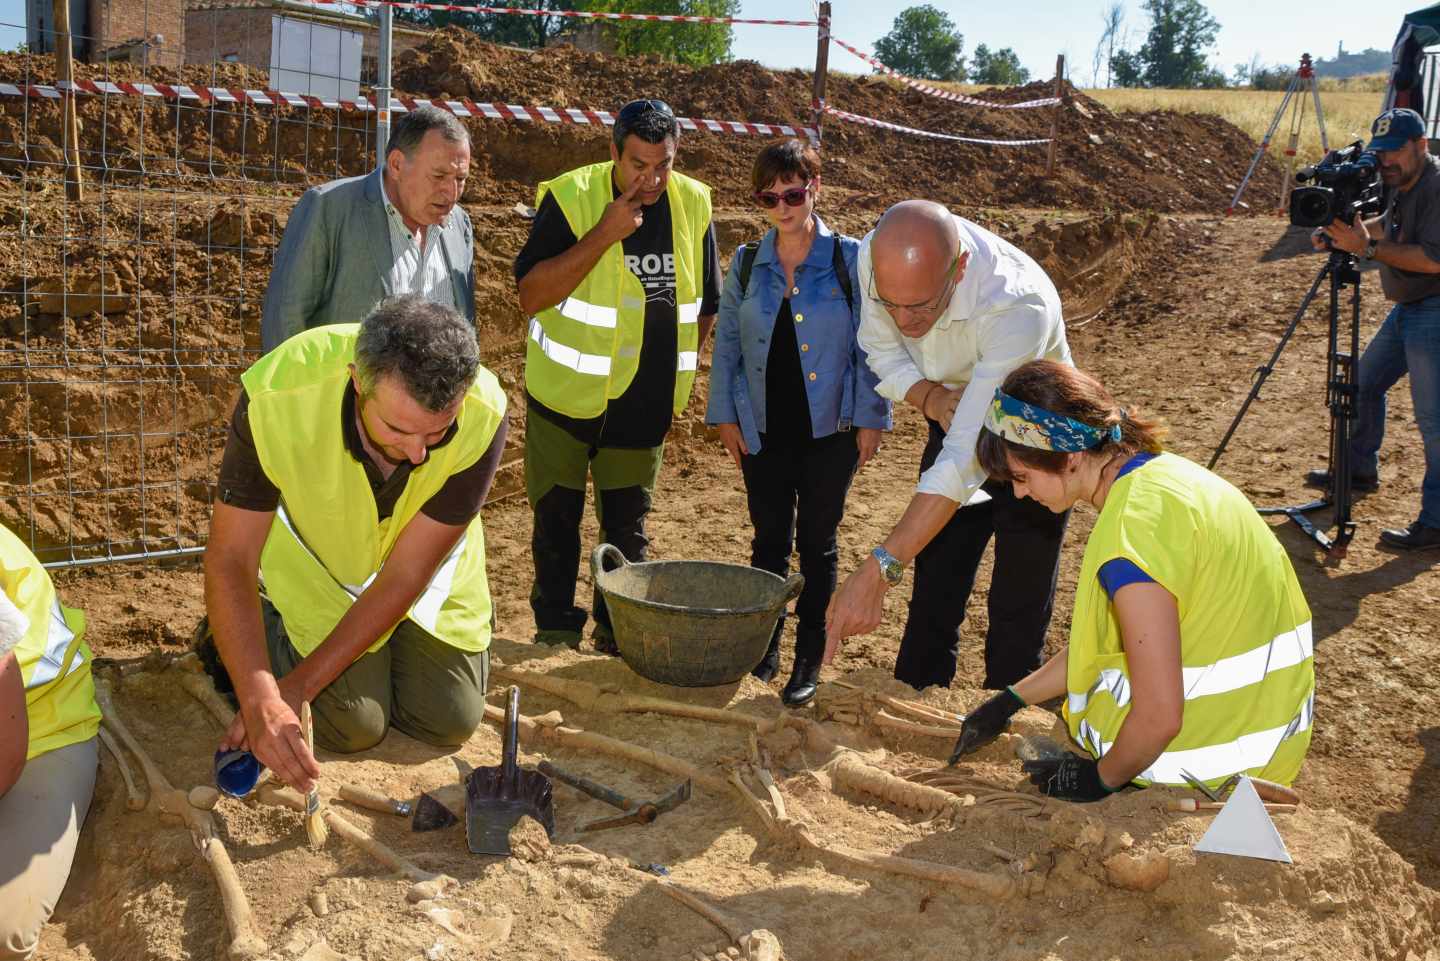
(431, 815)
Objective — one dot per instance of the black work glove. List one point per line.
(986, 722)
(1068, 778)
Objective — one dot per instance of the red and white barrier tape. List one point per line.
(461, 108)
(946, 94)
(586, 14)
(872, 122)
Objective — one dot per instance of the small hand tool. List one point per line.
(373, 800)
(635, 812)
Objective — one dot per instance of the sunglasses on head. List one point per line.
(793, 197)
(636, 109)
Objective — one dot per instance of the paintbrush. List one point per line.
(315, 827)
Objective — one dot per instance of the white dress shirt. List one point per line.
(1004, 313)
(416, 269)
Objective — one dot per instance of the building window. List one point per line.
(230, 57)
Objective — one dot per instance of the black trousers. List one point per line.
(1022, 586)
(796, 493)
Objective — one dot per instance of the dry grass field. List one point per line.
(1348, 113)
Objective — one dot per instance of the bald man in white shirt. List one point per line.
(949, 309)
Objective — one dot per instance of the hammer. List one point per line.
(635, 812)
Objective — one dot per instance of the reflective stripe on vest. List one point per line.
(426, 609)
(1287, 649)
(597, 365)
(1244, 753)
(52, 659)
(595, 315)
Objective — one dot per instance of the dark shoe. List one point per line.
(805, 678)
(803, 683)
(603, 638)
(1416, 537)
(769, 665)
(1359, 483)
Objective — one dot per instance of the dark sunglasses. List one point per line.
(636, 109)
(793, 197)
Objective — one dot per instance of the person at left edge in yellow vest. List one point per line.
(48, 745)
(620, 282)
(346, 560)
(1190, 645)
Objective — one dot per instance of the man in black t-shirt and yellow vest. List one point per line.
(620, 281)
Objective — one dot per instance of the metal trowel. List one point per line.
(496, 798)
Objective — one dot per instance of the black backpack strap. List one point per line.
(842, 274)
(747, 261)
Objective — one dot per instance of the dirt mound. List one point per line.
(1156, 161)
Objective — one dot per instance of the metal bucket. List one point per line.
(690, 623)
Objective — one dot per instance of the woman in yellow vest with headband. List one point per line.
(48, 745)
(1190, 645)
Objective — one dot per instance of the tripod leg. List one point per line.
(1264, 371)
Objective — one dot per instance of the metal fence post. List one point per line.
(382, 89)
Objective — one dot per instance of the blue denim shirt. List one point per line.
(838, 382)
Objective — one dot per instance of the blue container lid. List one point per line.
(237, 772)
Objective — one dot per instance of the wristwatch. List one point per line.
(890, 567)
(1372, 245)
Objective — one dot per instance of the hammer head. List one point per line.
(645, 811)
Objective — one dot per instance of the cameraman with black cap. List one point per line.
(1405, 243)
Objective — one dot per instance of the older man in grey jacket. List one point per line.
(400, 230)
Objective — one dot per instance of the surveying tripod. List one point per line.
(1294, 101)
(1341, 388)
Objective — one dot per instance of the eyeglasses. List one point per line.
(636, 109)
(934, 306)
(793, 197)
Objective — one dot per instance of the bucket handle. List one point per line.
(794, 584)
(602, 554)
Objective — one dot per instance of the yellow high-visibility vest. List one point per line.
(1245, 635)
(584, 352)
(326, 544)
(53, 656)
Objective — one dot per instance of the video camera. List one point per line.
(1347, 182)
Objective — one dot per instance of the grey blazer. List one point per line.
(333, 263)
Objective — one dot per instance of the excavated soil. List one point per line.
(128, 316)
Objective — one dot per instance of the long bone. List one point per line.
(245, 939)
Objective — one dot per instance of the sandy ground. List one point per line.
(1201, 311)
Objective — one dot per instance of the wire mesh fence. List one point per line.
(126, 316)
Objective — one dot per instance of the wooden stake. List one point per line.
(822, 65)
(65, 70)
(1055, 117)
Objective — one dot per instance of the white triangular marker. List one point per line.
(1243, 828)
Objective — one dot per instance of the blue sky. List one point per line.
(1278, 30)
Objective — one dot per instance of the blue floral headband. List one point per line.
(1036, 427)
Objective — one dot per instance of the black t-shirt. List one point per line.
(640, 417)
(787, 405)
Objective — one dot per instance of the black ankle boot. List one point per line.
(769, 665)
(805, 678)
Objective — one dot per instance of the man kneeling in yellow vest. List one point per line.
(346, 560)
(48, 750)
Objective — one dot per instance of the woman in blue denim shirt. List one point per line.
(791, 393)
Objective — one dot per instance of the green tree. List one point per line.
(1001, 68)
(923, 43)
(696, 44)
(1173, 55)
